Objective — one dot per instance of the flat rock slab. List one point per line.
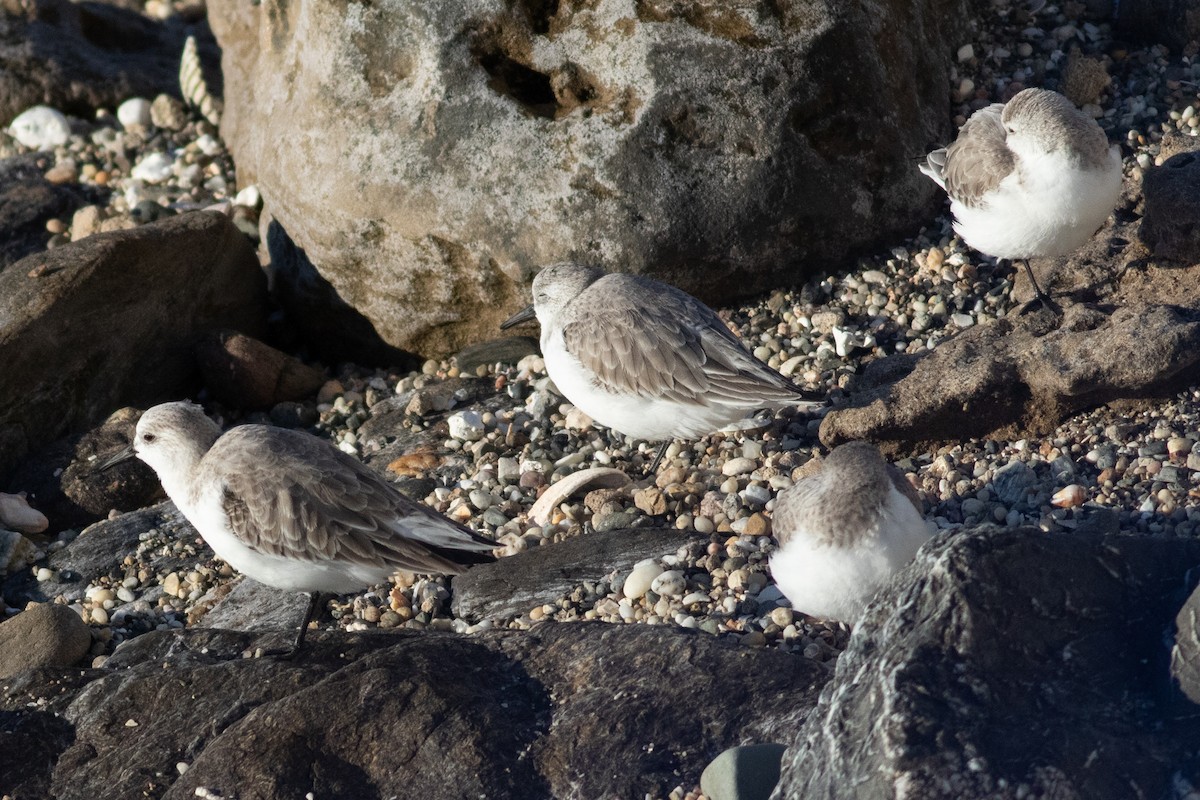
(1019, 375)
(100, 550)
(1007, 663)
(512, 586)
(564, 710)
(110, 321)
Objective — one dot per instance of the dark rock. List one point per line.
(749, 772)
(508, 350)
(100, 549)
(1185, 655)
(723, 150)
(1171, 224)
(1020, 375)
(1008, 663)
(44, 635)
(512, 586)
(245, 373)
(498, 714)
(112, 319)
(33, 732)
(126, 486)
(78, 57)
(1174, 23)
(27, 202)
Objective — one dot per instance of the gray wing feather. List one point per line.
(979, 159)
(288, 493)
(656, 341)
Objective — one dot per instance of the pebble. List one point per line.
(668, 584)
(40, 128)
(134, 113)
(153, 168)
(738, 466)
(641, 577)
(467, 426)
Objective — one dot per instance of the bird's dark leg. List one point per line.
(1042, 297)
(314, 601)
(662, 451)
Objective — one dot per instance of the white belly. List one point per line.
(652, 419)
(1051, 210)
(831, 582)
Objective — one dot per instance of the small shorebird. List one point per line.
(844, 531)
(291, 511)
(646, 359)
(1031, 177)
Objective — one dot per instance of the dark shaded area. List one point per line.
(111, 320)
(1171, 224)
(78, 57)
(331, 329)
(28, 201)
(1030, 665)
(1170, 22)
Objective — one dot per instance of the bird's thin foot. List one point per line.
(662, 451)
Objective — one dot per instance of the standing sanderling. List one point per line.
(646, 359)
(1031, 177)
(844, 531)
(291, 511)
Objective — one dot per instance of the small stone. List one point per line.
(85, 222)
(40, 128)
(134, 113)
(62, 172)
(966, 53)
(577, 420)
(153, 168)
(168, 113)
(171, 584)
(466, 426)
(641, 577)
(651, 501)
(738, 466)
(669, 584)
(757, 525)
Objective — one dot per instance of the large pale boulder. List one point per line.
(419, 161)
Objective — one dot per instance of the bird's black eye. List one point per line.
(148, 437)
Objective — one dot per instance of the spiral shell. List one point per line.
(191, 84)
(1069, 496)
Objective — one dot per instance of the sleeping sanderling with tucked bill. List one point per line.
(293, 512)
(646, 359)
(1033, 177)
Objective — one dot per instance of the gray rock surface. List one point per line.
(1020, 374)
(110, 321)
(1185, 655)
(252, 606)
(514, 585)
(101, 549)
(1171, 225)
(500, 714)
(1008, 663)
(79, 57)
(749, 772)
(45, 635)
(27, 202)
(723, 149)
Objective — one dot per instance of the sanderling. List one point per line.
(844, 531)
(1031, 177)
(646, 359)
(291, 511)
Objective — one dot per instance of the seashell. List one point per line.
(593, 478)
(16, 552)
(16, 514)
(415, 464)
(192, 86)
(1069, 497)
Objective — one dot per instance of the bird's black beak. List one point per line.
(124, 454)
(526, 313)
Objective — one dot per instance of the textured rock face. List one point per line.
(723, 148)
(1171, 226)
(501, 714)
(1005, 664)
(111, 320)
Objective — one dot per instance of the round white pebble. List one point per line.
(40, 127)
(134, 113)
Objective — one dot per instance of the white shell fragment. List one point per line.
(16, 514)
(192, 86)
(154, 168)
(40, 127)
(1069, 497)
(593, 478)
